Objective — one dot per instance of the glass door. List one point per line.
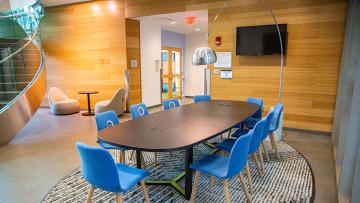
(171, 72)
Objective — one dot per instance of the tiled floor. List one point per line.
(44, 152)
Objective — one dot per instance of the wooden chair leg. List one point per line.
(265, 151)
(211, 183)
(261, 161)
(226, 191)
(119, 198)
(248, 173)
(119, 157)
(272, 138)
(193, 193)
(132, 155)
(147, 199)
(156, 158)
(91, 192)
(229, 133)
(122, 156)
(257, 163)
(142, 160)
(248, 197)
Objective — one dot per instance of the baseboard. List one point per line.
(307, 131)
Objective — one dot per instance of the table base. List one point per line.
(173, 182)
(87, 113)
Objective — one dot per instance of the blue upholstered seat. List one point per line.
(171, 103)
(139, 110)
(257, 133)
(99, 169)
(201, 98)
(274, 125)
(253, 119)
(105, 120)
(225, 167)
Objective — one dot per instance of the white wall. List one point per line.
(150, 50)
(194, 76)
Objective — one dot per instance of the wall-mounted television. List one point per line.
(260, 40)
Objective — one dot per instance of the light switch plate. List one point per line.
(133, 63)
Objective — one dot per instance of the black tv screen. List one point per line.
(260, 40)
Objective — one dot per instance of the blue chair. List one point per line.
(100, 170)
(266, 131)
(202, 98)
(274, 125)
(105, 120)
(171, 103)
(137, 111)
(224, 167)
(257, 131)
(256, 117)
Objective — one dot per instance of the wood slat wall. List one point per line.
(133, 53)
(315, 38)
(85, 47)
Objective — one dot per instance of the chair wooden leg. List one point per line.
(244, 187)
(265, 151)
(226, 191)
(91, 192)
(119, 198)
(156, 158)
(261, 161)
(142, 160)
(122, 156)
(132, 155)
(193, 193)
(248, 173)
(257, 163)
(147, 199)
(119, 158)
(272, 138)
(211, 183)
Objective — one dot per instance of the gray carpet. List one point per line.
(288, 180)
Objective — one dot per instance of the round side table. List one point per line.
(88, 93)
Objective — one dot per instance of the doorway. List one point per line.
(171, 72)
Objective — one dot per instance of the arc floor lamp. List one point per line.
(206, 55)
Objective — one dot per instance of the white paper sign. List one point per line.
(226, 74)
(223, 60)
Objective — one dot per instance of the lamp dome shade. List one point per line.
(204, 56)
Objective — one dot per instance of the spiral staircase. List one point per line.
(22, 68)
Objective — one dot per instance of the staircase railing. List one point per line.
(22, 68)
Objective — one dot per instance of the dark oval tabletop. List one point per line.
(178, 128)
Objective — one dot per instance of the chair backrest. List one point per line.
(268, 119)
(259, 102)
(139, 110)
(55, 94)
(239, 154)
(257, 135)
(276, 118)
(98, 168)
(201, 98)
(171, 103)
(106, 119)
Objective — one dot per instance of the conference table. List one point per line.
(178, 129)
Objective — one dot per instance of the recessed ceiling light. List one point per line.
(197, 29)
(172, 22)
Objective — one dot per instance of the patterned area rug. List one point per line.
(288, 180)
